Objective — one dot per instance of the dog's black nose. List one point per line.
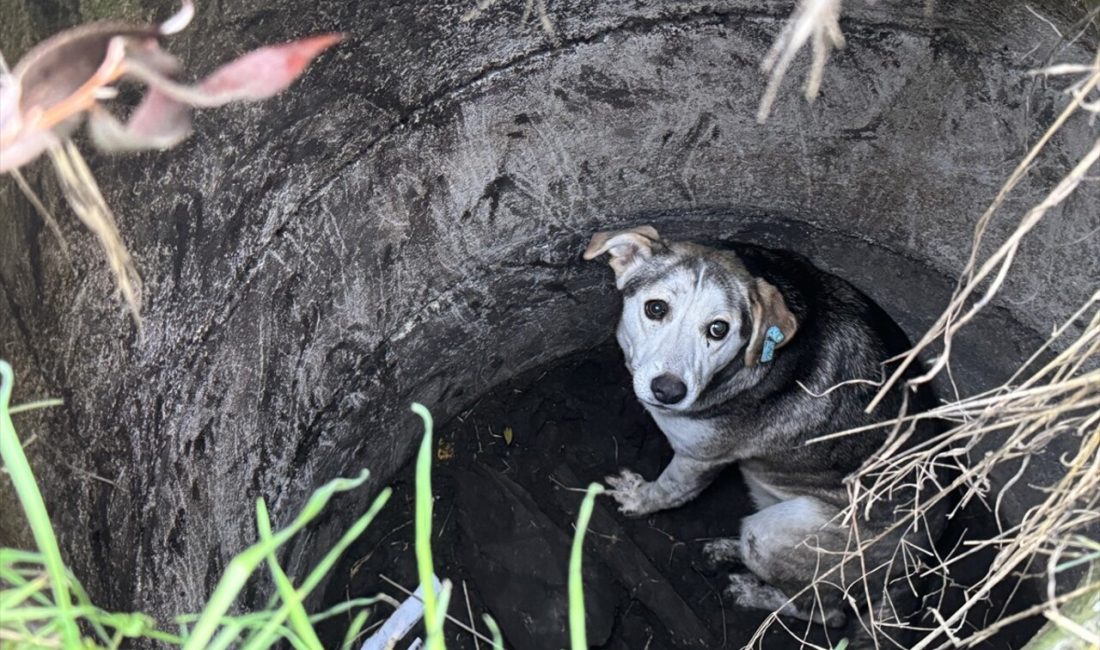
(668, 389)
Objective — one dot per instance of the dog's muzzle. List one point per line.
(668, 389)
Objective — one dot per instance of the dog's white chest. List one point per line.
(694, 438)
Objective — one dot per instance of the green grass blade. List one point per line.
(295, 642)
(12, 556)
(263, 638)
(433, 623)
(258, 626)
(352, 635)
(19, 570)
(39, 598)
(292, 600)
(329, 561)
(242, 566)
(83, 600)
(35, 509)
(228, 634)
(230, 584)
(444, 600)
(164, 637)
(345, 606)
(247, 621)
(40, 404)
(131, 625)
(494, 630)
(577, 634)
(28, 614)
(1084, 559)
(39, 637)
(9, 598)
(116, 641)
(1085, 541)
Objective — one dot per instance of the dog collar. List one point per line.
(772, 337)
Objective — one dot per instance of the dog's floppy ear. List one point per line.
(773, 325)
(627, 247)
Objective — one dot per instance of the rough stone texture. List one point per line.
(405, 224)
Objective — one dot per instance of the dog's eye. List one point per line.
(718, 329)
(656, 309)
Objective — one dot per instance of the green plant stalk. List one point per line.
(353, 630)
(248, 623)
(82, 597)
(498, 641)
(10, 557)
(12, 597)
(230, 584)
(116, 641)
(35, 509)
(242, 566)
(226, 637)
(441, 608)
(45, 614)
(163, 637)
(1083, 610)
(293, 599)
(329, 561)
(433, 623)
(340, 608)
(31, 406)
(250, 620)
(1084, 559)
(577, 634)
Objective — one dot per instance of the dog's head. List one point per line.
(689, 312)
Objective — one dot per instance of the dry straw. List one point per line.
(1054, 395)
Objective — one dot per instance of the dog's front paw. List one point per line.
(721, 551)
(630, 490)
(745, 590)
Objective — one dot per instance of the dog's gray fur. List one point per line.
(738, 409)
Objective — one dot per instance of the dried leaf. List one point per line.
(159, 122)
(266, 71)
(65, 77)
(62, 71)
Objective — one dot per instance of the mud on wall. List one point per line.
(405, 224)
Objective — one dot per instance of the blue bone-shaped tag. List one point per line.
(772, 337)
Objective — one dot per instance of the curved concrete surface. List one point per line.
(406, 224)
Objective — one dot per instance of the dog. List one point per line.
(741, 355)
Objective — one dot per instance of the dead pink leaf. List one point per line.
(266, 71)
(68, 76)
(71, 75)
(48, 90)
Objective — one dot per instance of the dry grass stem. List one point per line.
(42, 210)
(989, 439)
(83, 195)
(997, 265)
(813, 21)
(1042, 402)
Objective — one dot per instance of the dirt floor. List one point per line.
(506, 479)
